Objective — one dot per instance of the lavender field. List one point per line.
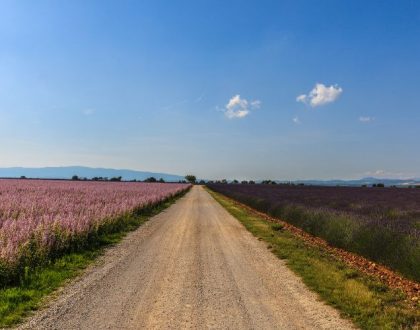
(39, 218)
(382, 224)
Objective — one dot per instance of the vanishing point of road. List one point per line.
(193, 266)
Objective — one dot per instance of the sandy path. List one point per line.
(192, 266)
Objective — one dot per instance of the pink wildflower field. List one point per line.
(49, 214)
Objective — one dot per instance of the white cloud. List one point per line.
(320, 95)
(240, 108)
(296, 120)
(366, 119)
(301, 98)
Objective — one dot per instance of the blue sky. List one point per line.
(211, 87)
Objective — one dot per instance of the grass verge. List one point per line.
(19, 300)
(366, 301)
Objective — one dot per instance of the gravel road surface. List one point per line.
(193, 266)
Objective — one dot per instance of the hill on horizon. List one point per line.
(363, 181)
(66, 172)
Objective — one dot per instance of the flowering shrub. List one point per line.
(380, 224)
(40, 217)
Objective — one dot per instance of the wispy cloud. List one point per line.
(89, 112)
(366, 120)
(238, 107)
(296, 120)
(320, 95)
(301, 98)
(200, 98)
(386, 174)
(174, 105)
(256, 104)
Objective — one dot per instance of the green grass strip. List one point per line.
(17, 302)
(364, 300)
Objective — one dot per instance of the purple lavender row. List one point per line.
(382, 224)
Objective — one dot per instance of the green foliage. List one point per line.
(268, 182)
(378, 185)
(277, 227)
(191, 178)
(100, 178)
(151, 179)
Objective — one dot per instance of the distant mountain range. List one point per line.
(67, 172)
(364, 181)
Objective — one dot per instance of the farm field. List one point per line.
(40, 220)
(193, 266)
(184, 268)
(382, 224)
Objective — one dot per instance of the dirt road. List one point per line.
(192, 266)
